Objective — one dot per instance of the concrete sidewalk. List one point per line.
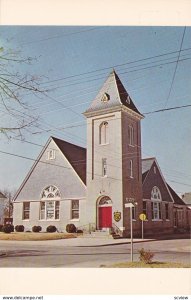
(77, 242)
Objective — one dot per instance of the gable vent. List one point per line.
(105, 97)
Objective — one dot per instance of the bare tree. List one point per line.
(14, 84)
(8, 205)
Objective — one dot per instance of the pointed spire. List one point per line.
(112, 94)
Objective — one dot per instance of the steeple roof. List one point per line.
(112, 94)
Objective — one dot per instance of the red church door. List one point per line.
(105, 217)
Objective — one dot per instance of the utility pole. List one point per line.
(131, 203)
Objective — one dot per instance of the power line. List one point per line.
(56, 165)
(115, 66)
(145, 113)
(60, 35)
(136, 70)
(173, 78)
(61, 102)
(79, 95)
(179, 182)
(166, 109)
(127, 155)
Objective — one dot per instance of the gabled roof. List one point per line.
(2, 196)
(116, 93)
(76, 156)
(147, 163)
(146, 166)
(177, 199)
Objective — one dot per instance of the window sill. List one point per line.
(104, 176)
(75, 220)
(26, 220)
(131, 145)
(160, 220)
(49, 220)
(104, 144)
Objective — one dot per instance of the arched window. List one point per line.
(105, 200)
(156, 194)
(50, 203)
(103, 133)
(156, 203)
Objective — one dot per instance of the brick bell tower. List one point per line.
(113, 158)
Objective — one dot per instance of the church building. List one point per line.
(91, 187)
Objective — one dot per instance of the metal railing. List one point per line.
(116, 230)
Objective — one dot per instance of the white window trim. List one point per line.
(131, 136)
(45, 210)
(158, 201)
(158, 210)
(49, 156)
(23, 219)
(72, 209)
(131, 168)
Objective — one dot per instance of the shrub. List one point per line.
(145, 256)
(36, 228)
(1, 227)
(79, 231)
(8, 228)
(70, 228)
(51, 228)
(19, 228)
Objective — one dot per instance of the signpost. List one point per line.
(131, 204)
(142, 217)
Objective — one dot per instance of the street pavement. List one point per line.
(88, 252)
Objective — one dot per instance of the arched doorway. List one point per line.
(104, 209)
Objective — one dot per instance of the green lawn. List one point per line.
(33, 236)
(155, 264)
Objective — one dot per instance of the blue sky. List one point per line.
(63, 52)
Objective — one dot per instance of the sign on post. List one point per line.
(129, 205)
(142, 217)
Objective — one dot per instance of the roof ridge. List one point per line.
(54, 138)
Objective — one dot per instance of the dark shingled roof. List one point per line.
(144, 176)
(76, 155)
(177, 199)
(117, 95)
(124, 95)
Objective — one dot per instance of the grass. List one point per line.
(155, 264)
(32, 236)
